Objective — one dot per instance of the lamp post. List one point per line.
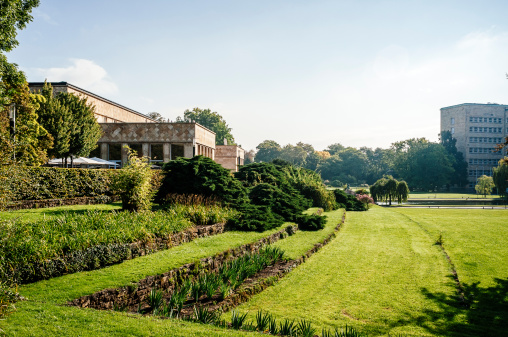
(12, 124)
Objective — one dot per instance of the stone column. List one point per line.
(187, 150)
(145, 150)
(104, 151)
(166, 149)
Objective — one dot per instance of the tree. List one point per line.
(85, 131)
(334, 148)
(71, 122)
(500, 177)
(422, 164)
(268, 150)
(402, 192)
(31, 140)
(457, 158)
(212, 121)
(14, 15)
(156, 116)
(388, 188)
(485, 185)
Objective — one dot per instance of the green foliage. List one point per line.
(237, 319)
(133, 183)
(457, 158)
(268, 150)
(423, 164)
(310, 222)
(30, 141)
(76, 242)
(500, 178)
(19, 182)
(485, 185)
(305, 329)
(349, 202)
(255, 218)
(202, 176)
(71, 122)
(8, 296)
(212, 121)
(388, 189)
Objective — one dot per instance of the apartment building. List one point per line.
(478, 128)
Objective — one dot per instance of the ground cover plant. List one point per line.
(32, 250)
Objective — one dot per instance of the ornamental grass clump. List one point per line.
(133, 183)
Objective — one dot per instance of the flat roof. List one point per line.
(66, 84)
(469, 104)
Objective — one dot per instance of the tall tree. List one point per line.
(422, 164)
(500, 177)
(157, 117)
(335, 148)
(85, 130)
(14, 15)
(457, 158)
(268, 150)
(212, 121)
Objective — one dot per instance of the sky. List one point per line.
(359, 73)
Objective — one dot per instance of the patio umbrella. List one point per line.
(104, 162)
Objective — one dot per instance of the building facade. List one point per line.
(478, 128)
(161, 142)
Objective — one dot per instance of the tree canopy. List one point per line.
(457, 158)
(500, 177)
(212, 121)
(484, 185)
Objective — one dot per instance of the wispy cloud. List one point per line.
(83, 73)
(37, 13)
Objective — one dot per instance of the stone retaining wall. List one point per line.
(135, 295)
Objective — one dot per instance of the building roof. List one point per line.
(86, 92)
(470, 104)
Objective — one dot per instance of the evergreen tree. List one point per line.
(457, 158)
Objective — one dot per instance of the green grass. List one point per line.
(374, 276)
(440, 195)
(45, 313)
(37, 214)
(298, 244)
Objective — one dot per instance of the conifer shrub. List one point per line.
(349, 202)
(310, 222)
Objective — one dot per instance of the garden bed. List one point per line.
(137, 297)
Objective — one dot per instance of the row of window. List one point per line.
(156, 152)
(485, 129)
(483, 150)
(478, 173)
(495, 140)
(486, 120)
(483, 161)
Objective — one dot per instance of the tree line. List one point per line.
(422, 164)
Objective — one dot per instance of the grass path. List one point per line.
(374, 276)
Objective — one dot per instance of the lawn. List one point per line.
(442, 195)
(383, 274)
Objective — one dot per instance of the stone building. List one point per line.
(478, 128)
(229, 156)
(106, 111)
(161, 142)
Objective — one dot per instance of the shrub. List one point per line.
(349, 202)
(201, 176)
(133, 183)
(310, 222)
(365, 199)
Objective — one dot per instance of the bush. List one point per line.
(310, 222)
(133, 183)
(255, 218)
(202, 176)
(349, 202)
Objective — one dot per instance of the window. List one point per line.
(138, 148)
(453, 131)
(176, 151)
(156, 153)
(96, 152)
(453, 121)
(115, 152)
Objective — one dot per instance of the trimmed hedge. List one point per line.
(41, 183)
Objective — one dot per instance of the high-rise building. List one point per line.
(478, 128)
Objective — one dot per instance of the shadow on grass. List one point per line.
(482, 312)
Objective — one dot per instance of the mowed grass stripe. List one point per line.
(372, 276)
(475, 239)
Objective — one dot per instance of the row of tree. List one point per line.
(423, 164)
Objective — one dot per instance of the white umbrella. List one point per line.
(104, 162)
(78, 160)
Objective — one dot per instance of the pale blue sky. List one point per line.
(360, 73)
